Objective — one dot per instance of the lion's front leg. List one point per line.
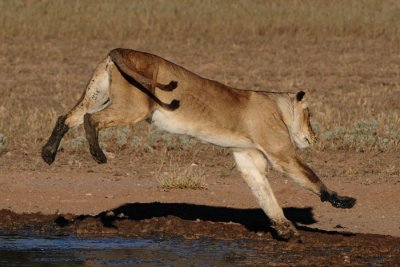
(284, 229)
(341, 202)
(250, 165)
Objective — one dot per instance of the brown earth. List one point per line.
(122, 198)
(88, 188)
(123, 204)
(196, 221)
(348, 80)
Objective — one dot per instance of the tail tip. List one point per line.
(171, 86)
(174, 104)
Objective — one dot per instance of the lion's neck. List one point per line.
(286, 108)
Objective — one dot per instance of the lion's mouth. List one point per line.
(308, 141)
(311, 139)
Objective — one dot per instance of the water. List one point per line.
(73, 251)
(32, 250)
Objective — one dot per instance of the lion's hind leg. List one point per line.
(128, 106)
(49, 150)
(114, 115)
(95, 98)
(92, 135)
(252, 164)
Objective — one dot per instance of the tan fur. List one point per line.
(260, 127)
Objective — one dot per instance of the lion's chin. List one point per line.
(302, 143)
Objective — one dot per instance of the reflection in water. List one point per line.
(29, 250)
(73, 251)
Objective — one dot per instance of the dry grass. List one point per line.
(370, 122)
(345, 54)
(3, 141)
(207, 19)
(172, 175)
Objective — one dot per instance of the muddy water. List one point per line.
(72, 251)
(138, 238)
(34, 250)
(41, 251)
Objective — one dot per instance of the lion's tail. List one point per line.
(118, 59)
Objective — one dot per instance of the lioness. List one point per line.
(259, 127)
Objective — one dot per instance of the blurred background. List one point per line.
(203, 19)
(344, 54)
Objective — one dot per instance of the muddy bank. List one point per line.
(195, 222)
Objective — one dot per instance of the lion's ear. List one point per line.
(300, 95)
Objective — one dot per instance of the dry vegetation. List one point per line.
(174, 176)
(211, 19)
(345, 54)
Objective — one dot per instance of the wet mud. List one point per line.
(314, 247)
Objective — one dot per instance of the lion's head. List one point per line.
(300, 127)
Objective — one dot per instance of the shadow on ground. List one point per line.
(253, 220)
(249, 227)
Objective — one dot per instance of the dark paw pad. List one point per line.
(338, 201)
(284, 230)
(98, 156)
(101, 159)
(48, 155)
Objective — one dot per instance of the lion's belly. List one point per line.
(172, 123)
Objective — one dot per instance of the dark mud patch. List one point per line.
(198, 222)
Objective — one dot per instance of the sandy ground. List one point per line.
(91, 189)
(347, 81)
(352, 85)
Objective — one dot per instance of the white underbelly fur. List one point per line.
(167, 121)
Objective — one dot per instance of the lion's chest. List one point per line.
(170, 123)
(204, 130)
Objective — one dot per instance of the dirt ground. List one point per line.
(122, 198)
(127, 179)
(347, 81)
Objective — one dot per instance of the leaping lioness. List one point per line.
(259, 127)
